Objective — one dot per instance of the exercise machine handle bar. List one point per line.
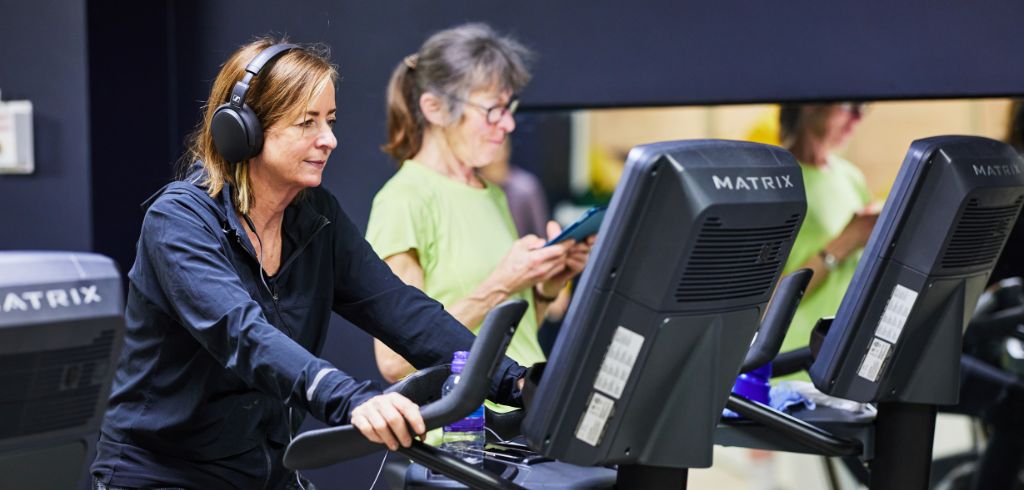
(322, 447)
(820, 440)
(776, 319)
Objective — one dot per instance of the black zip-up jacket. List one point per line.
(215, 352)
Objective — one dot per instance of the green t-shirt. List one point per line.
(460, 234)
(834, 194)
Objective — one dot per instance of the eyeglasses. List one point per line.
(496, 112)
(858, 109)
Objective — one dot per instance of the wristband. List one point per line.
(830, 261)
(541, 297)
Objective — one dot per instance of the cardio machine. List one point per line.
(896, 339)
(687, 258)
(61, 332)
(992, 393)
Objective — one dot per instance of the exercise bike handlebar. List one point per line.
(317, 448)
(1002, 323)
(812, 437)
(776, 320)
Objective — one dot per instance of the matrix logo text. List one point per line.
(50, 298)
(768, 182)
(996, 170)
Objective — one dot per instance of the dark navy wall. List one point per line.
(133, 121)
(615, 53)
(43, 59)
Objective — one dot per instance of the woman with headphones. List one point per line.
(238, 268)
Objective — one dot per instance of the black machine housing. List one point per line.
(61, 328)
(931, 259)
(687, 258)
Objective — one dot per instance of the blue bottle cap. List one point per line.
(459, 361)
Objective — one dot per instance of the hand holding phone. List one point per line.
(587, 224)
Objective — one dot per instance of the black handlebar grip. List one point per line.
(776, 320)
(322, 447)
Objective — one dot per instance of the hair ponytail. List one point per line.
(405, 126)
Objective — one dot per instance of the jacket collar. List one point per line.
(301, 220)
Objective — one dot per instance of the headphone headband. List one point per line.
(254, 67)
(263, 57)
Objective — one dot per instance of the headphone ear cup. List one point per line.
(229, 132)
(236, 131)
(253, 131)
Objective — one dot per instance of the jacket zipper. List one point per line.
(274, 294)
(323, 223)
(263, 444)
(263, 280)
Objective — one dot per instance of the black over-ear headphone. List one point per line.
(237, 133)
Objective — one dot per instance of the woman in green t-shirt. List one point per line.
(438, 224)
(840, 215)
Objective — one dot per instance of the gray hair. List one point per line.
(454, 62)
(450, 64)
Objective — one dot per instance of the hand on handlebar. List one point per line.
(387, 418)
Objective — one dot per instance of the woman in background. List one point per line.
(839, 211)
(438, 224)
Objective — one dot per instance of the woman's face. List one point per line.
(295, 149)
(475, 142)
(839, 123)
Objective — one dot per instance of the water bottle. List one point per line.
(464, 438)
(754, 385)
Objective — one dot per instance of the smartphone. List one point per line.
(586, 225)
